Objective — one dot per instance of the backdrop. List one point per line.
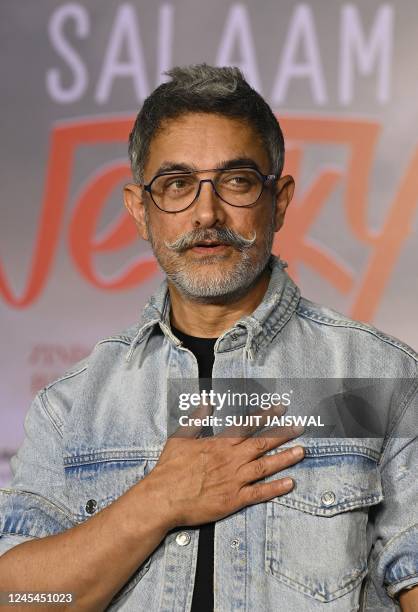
(342, 77)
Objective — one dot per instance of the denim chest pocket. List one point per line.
(93, 484)
(316, 534)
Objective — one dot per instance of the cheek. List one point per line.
(157, 224)
(256, 220)
(166, 230)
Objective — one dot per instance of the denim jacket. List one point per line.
(344, 539)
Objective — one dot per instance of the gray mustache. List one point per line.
(223, 235)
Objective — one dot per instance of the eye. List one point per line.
(175, 184)
(238, 180)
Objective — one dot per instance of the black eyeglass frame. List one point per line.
(265, 179)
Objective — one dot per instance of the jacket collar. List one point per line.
(252, 331)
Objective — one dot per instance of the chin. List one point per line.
(216, 289)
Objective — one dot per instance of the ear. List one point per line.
(285, 188)
(135, 205)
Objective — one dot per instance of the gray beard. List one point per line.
(219, 286)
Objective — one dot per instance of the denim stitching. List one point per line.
(404, 407)
(51, 414)
(43, 501)
(313, 316)
(111, 455)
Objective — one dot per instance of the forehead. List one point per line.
(204, 140)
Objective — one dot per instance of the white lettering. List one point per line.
(237, 30)
(301, 32)
(221, 400)
(54, 79)
(377, 51)
(125, 32)
(165, 41)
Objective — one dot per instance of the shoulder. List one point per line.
(76, 371)
(326, 320)
(58, 396)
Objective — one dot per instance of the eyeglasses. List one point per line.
(173, 192)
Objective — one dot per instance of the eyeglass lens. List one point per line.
(174, 192)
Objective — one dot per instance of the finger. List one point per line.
(263, 491)
(258, 421)
(193, 428)
(259, 445)
(267, 465)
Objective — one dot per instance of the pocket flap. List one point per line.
(332, 482)
(93, 486)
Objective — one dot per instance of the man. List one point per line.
(103, 506)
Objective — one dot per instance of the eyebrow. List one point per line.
(237, 162)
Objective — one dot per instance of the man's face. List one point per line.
(237, 241)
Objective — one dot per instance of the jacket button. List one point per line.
(183, 538)
(328, 498)
(91, 506)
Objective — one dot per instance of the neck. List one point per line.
(211, 320)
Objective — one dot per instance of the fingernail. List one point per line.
(298, 451)
(288, 483)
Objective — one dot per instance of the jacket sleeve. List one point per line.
(34, 504)
(396, 523)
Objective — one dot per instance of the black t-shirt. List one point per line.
(202, 601)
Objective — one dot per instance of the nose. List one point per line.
(207, 209)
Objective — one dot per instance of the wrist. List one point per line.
(151, 494)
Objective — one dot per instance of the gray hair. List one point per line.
(208, 89)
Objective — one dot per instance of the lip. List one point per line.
(209, 249)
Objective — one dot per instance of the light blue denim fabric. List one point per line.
(100, 428)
